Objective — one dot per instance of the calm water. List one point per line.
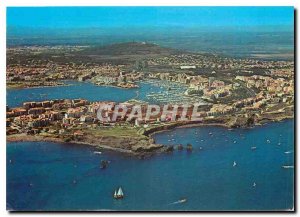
(86, 90)
(41, 175)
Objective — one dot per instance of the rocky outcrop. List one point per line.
(149, 148)
(241, 121)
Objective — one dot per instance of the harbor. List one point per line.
(170, 93)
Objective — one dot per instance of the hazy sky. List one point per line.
(85, 17)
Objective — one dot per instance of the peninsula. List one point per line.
(235, 92)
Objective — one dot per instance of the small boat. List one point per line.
(288, 152)
(254, 184)
(268, 141)
(279, 142)
(119, 194)
(97, 152)
(234, 164)
(287, 167)
(253, 147)
(183, 200)
(210, 133)
(234, 141)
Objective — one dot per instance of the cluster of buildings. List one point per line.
(276, 85)
(217, 63)
(207, 87)
(54, 71)
(124, 80)
(33, 116)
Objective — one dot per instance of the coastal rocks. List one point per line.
(180, 147)
(149, 148)
(146, 151)
(163, 127)
(189, 147)
(241, 121)
(169, 148)
(68, 139)
(104, 164)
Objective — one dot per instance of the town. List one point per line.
(233, 92)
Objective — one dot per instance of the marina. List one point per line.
(150, 108)
(171, 92)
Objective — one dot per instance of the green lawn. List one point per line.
(116, 131)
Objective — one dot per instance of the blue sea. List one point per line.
(50, 176)
(44, 176)
(53, 176)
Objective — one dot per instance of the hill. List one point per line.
(129, 48)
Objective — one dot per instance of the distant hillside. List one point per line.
(130, 48)
(121, 53)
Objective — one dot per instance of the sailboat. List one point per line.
(119, 194)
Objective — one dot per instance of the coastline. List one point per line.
(30, 138)
(16, 87)
(35, 87)
(140, 150)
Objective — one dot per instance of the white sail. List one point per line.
(115, 194)
(120, 192)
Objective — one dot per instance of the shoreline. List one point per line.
(191, 125)
(36, 87)
(31, 138)
(16, 87)
(158, 148)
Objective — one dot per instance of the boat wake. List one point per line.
(287, 167)
(178, 202)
